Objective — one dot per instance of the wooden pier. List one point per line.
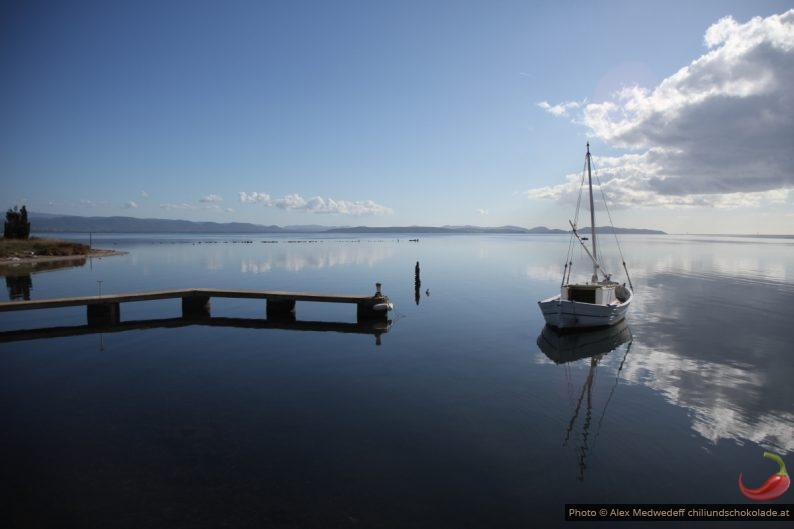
(105, 309)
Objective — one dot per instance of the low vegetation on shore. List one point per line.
(38, 247)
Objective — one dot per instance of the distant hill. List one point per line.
(55, 224)
(48, 223)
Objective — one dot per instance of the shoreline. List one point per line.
(31, 263)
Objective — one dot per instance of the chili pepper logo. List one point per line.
(776, 485)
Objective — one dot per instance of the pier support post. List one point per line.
(103, 313)
(195, 307)
(281, 309)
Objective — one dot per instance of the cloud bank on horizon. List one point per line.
(317, 204)
(717, 133)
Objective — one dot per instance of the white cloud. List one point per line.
(716, 133)
(290, 202)
(183, 205)
(84, 202)
(131, 205)
(144, 194)
(255, 198)
(481, 211)
(212, 198)
(317, 204)
(561, 109)
(331, 206)
(627, 182)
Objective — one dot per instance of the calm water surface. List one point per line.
(464, 414)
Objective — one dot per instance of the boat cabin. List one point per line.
(596, 294)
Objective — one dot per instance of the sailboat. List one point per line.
(599, 303)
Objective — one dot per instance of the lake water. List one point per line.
(457, 416)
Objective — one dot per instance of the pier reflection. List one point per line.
(563, 348)
(374, 328)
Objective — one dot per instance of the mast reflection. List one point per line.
(563, 348)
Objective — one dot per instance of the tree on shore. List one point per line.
(17, 225)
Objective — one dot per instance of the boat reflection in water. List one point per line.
(563, 347)
(594, 345)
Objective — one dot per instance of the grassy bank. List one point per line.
(37, 247)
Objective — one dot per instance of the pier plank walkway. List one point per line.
(105, 308)
(275, 295)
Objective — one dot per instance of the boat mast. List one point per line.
(592, 218)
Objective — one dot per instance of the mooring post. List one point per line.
(375, 308)
(417, 283)
(195, 307)
(103, 313)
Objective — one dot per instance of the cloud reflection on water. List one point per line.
(714, 353)
(328, 256)
(711, 343)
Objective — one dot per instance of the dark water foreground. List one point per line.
(467, 414)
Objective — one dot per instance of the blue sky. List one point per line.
(400, 113)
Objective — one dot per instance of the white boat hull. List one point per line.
(564, 314)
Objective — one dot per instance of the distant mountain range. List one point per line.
(47, 223)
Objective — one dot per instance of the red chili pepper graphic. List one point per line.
(776, 485)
